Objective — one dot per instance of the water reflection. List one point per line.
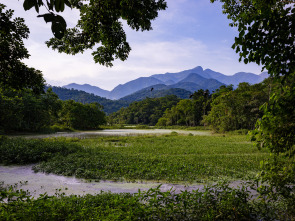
(118, 132)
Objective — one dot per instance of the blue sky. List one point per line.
(187, 34)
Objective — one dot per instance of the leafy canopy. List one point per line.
(266, 33)
(100, 23)
(266, 36)
(14, 73)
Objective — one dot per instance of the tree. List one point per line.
(238, 109)
(82, 116)
(100, 23)
(266, 36)
(266, 33)
(14, 73)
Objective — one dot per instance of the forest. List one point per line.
(226, 109)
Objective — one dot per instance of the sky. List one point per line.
(189, 33)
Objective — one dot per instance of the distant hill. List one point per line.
(190, 80)
(204, 83)
(133, 86)
(110, 106)
(89, 89)
(176, 77)
(189, 86)
(158, 91)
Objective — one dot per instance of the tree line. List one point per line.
(223, 110)
(23, 110)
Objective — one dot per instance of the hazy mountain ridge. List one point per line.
(159, 90)
(89, 89)
(190, 80)
(130, 87)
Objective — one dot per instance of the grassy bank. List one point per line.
(167, 158)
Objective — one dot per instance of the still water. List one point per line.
(39, 183)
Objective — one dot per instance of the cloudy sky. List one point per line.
(189, 33)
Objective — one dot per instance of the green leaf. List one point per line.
(68, 3)
(49, 17)
(57, 5)
(28, 4)
(58, 26)
(62, 5)
(37, 8)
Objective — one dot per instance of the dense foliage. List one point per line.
(187, 112)
(266, 36)
(81, 116)
(237, 109)
(147, 111)
(109, 106)
(24, 106)
(25, 111)
(156, 93)
(224, 110)
(218, 202)
(266, 33)
(13, 72)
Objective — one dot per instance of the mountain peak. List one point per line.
(198, 68)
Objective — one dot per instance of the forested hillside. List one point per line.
(109, 106)
(224, 110)
(146, 112)
(156, 91)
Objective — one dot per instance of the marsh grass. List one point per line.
(165, 158)
(169, 158)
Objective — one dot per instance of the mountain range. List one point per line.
(185, 82)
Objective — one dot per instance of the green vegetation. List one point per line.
(158, 92)
(187, 112)
(170, 158)
(24, 106)
(14, 73)
(219, 202)
(224, 110)
(109, 106)
(146, 112)
(237, 109)
(266, 36)
(25, 151)
(22, 110)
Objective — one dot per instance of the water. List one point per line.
(40, 183)
(118, 132)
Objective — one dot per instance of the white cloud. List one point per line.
(165, 49)
(145, 59)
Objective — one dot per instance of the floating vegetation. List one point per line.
(166, 158)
